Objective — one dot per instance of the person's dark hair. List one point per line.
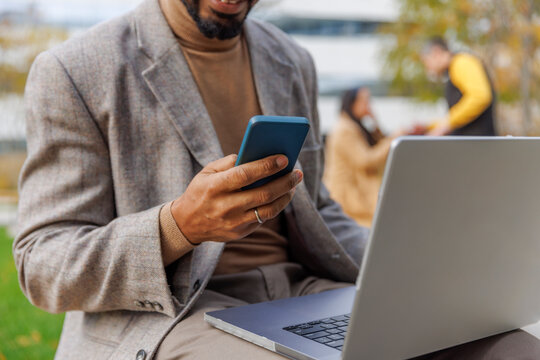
(215, 29)
(438, 42)
(347, 101)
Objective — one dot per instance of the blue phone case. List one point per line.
(272, 135)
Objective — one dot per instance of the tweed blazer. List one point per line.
(116, 128)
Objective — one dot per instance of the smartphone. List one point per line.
(273, 135)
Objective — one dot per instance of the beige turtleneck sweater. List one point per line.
(222, 72)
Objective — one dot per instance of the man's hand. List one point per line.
(214, 208)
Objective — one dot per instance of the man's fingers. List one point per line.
(246, 174)
(270, 211)
(268, 193)
(222, 164)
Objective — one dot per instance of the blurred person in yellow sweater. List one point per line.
(468, 91)
(356, 155)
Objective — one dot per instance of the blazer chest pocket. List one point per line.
(108, 327)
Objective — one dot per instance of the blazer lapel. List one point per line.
(173, 85)
(273, 73)
(274, 77)
(170, 80)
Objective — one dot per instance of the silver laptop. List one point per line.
(453, 256)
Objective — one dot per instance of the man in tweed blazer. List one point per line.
(118, 129)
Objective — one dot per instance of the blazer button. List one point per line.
(197, 285)
(139, 304)
(141, 355)
(157, 306)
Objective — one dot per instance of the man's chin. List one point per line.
(218, 25)
(220, 29)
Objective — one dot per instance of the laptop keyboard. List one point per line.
(330, 331)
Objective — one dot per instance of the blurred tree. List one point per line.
(19, 45)
(504, 33)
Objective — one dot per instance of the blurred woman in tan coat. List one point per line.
(356, 155)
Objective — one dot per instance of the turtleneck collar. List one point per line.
(188, 33)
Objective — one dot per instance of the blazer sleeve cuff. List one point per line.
(174, 244)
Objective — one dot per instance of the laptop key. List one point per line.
(328, 321)
(333, 331)
(343, 328)
(335, 336)
(340, 318)
(323, 340)
(317, 334)
(328, 326)
(341, 323)
(335, 343)
(310, 330)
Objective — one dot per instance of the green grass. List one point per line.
(25, 331)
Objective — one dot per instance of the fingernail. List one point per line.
(282, 161)
(298, 175)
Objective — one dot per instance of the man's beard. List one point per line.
(228, 28)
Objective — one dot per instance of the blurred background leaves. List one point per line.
(18, 48)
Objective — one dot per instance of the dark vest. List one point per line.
(484, 124)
